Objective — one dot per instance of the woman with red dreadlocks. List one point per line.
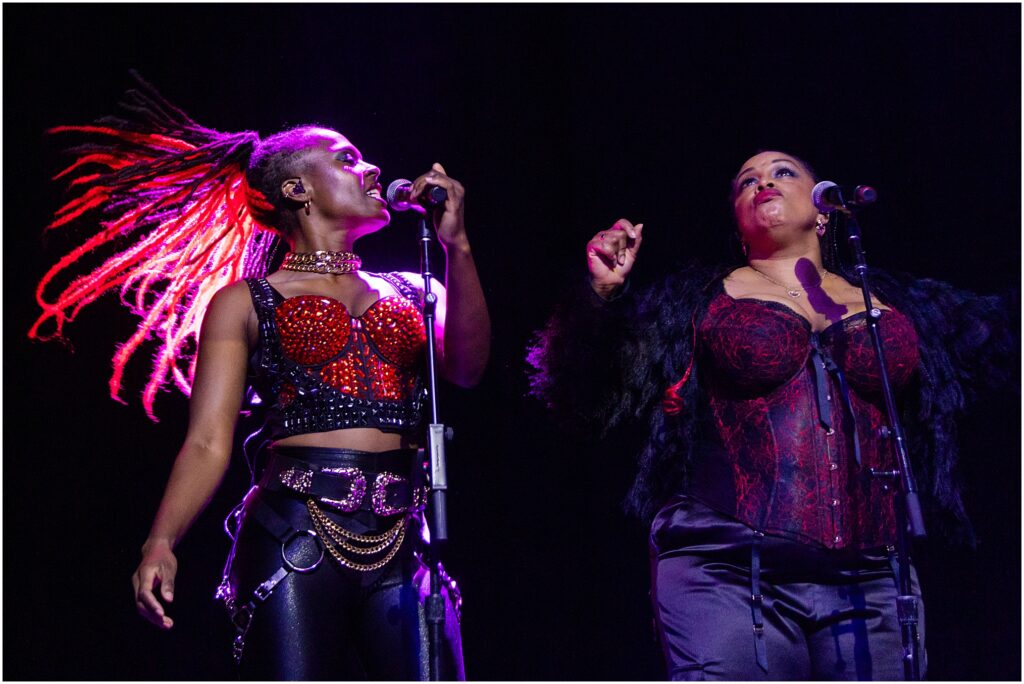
(771, 540)
(323, 581)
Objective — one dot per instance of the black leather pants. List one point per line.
(334, 622)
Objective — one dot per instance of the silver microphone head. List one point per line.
(395, 201)
(818, 196)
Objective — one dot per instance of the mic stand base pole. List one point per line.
(434, 607)
(906, 608)
(909, 519)
(906, 602)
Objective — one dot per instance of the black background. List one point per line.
(558, 119)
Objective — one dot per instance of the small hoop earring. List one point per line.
(305, 207)
(821, 228)
(745, 247)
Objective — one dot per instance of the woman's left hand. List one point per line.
(451, 227)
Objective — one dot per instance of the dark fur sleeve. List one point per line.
(969, 346)
(979, 335)
(983, 337)
(576, 361)
(598, 365)
(666, 378)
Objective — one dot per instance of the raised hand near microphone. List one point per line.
(451, 227)
(611, 255)
(463, 323)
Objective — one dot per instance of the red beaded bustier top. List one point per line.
(790, 421)
(318, 368)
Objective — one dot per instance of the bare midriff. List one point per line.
(361, 439)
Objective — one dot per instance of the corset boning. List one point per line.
(777, 430)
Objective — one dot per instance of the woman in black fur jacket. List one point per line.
(772, 544)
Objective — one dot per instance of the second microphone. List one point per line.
(399, 196)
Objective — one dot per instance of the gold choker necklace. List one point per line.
(791, 291)
(322, 261)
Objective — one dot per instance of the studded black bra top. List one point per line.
(318, 368)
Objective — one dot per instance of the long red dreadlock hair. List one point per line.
(192, 206)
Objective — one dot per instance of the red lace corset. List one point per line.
(777, 436)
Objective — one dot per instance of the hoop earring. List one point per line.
(821, 228)
(745, 247)
(305, 207)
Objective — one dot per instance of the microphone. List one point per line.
(399, 198)
(827, 196)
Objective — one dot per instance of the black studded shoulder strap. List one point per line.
(402, 284)
(263, 301)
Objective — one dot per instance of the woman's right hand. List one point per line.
(611, 255)
(157, 570)
(202, 461)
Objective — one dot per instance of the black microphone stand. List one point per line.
(437, 512)
(909, 519)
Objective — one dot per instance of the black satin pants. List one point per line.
(826, 616)
(334, 622)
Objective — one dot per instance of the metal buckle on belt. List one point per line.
(379, 498)
(300, 480)
(356, 489)
(297, 479)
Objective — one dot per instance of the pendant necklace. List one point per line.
(794, 291)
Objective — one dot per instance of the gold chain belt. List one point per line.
(334, 535)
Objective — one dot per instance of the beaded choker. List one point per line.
(322, 261)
